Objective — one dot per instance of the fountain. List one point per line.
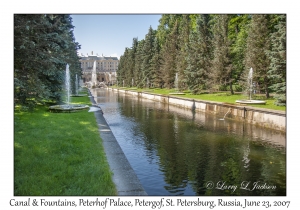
(67, 107)
(176, 87)
(176, 82)
(148, 83)
(132, 85)
(147, 87)
(94, 75)
(76, 85)
(250, 86)
(76, 89)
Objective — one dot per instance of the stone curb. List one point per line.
(124, 177)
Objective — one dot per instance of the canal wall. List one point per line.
(124, 177)
(263, 117)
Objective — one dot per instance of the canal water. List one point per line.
(175, 151)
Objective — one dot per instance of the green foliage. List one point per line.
(209, 52)
(258, 43)
(147, 55)
(237, 34)
(181, 62)
(43, 45)
(138, 74)
(222, 63)
(156, 62)
(169, 53)
(199, 54)
(277, 56)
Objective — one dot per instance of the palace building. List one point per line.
(106, 68)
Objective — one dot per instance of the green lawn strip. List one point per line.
(224, 97)
(60, 154)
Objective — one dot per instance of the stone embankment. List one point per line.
(263, 117)
(124, 177)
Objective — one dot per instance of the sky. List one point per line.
(111, 34)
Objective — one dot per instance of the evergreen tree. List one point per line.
(193, 21)
(183, 39)
(222, 64)
(258, 43)
(156, 63)
(238, 33)
(121, 71)
(277, 58)
(199, 52)
(148, 53)
(138, 74)
(131, 61)
(125, 73)
(166, 25)
(43, 45)
(169, 52)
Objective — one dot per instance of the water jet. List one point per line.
(176, 87)
(67, 107)
(76, 89)
(229, 110)
(250, 85)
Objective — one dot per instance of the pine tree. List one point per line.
(131, 62)
(148, 53)
(138, 74)
(277, 56)
(238, 33)
(183, 39)
(43, 45)
(167, 23)
(120, 71)
(169, 52)
(199, 52)
(156, 63)
(258, 43)
(222, 64)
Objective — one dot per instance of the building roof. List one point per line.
(95, 57)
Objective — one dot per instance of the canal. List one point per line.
(175, 151)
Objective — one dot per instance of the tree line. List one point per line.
(210, 52)
(43, 45)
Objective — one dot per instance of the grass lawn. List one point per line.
(218, 97)
(59, 154)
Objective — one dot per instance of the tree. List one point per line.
(138, 74)
(258, 43)
(238, 33)
(123, 67)
(166, 25)
(222, 64)
(183, 39)
(169, 52)
(277, 56)
(43, 45)
(156, 62)
(148, 53)
(131, 61)
(121, 70)
(199, 54)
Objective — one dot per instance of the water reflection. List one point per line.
(179, 152)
